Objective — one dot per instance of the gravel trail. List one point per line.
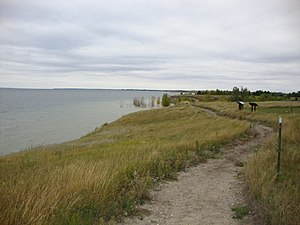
(205, 194)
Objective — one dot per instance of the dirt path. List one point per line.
(203, 194)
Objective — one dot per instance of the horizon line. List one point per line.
(137, 89)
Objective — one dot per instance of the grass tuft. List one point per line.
(240, 211)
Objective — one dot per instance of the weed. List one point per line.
(240, 211)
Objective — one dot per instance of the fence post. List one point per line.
(279, 146)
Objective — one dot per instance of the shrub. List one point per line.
(166, 100)
(158, 101)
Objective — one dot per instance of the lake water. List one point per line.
(37, 117)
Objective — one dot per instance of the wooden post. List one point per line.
(279, 146)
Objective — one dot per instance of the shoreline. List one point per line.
(31, 118)
(10, 152)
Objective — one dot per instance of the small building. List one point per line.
(253, 106)
(241, 105)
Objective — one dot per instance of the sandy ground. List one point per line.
(204, 194)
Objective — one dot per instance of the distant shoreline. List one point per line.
(97, 89)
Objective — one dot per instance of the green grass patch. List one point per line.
(280, 110)
(240, 212)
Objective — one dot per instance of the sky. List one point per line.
(150, 44)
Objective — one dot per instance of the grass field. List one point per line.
(281, 110)
(267, 112)
(279, 199)
(102, 175)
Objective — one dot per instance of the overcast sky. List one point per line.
(154, 44)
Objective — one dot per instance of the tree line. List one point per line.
(244, 94)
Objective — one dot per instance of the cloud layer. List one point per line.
(170, 44)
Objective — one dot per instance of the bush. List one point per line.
(166, 100)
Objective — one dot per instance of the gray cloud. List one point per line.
(180, 44)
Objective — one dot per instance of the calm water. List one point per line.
(36, 117)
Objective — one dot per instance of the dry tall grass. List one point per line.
(105, 173)
(279, 199)
(262, 115)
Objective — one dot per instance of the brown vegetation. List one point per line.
(105, 173)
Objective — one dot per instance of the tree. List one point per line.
(245, 94)
(235, 94)
(240, 95)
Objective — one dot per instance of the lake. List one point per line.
(31, 117)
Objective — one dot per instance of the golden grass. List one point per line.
(279, 198)
(104, 174)
(262, 115)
